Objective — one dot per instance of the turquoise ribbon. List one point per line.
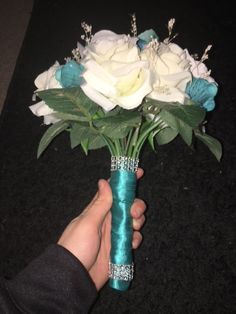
(123, 185)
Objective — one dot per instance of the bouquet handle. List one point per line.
(123, 185)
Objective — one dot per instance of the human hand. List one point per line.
(88, 235)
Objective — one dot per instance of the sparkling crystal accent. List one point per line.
(124, 163)
(121, 272)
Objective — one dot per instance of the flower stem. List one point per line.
(118, 148)
(122, 144)
(128, 141)
(109, 144)
(133, 141)
(143, 137)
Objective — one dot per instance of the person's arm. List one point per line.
(55, 282)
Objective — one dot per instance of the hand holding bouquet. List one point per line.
(120, 91)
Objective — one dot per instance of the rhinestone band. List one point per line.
(121, 272)
(124, 163)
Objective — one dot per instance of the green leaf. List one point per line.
(118, 126)
(192, 114)
(78, 133)
(81, 133)
(96, 142)
(213, 144)
(115, 111)
(50, 134)
(70, 117)
(151, 140)
(84, 144)
(166, 135)
(71, 101)
(178, 125)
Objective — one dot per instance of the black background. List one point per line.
(186, 263)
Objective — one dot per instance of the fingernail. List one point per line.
(100, 184)
(135, 224)
(134, 244)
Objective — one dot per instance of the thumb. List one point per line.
(101, 204)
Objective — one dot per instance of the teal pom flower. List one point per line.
(203, 92)
(146, 37)
(69, 75)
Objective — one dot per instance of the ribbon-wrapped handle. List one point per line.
(123, 185)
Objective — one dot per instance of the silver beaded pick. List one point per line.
(121, 272)
(124, 163)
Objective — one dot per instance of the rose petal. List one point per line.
(40, 109)
(50, 119)
(179, 80)
(135, 98)
(199, 69)
(171, 94)
(98, 98)
(177, 49)
(47, 79)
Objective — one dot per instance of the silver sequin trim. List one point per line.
(124, 163)
(121, 272)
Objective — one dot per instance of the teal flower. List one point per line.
(146, 37)
(69, 75)
(203, 92)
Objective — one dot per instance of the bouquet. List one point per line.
(121, 91)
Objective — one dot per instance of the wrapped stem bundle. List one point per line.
(123, 184)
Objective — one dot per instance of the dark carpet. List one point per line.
(186, 263)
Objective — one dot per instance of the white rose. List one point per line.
(46, 80)
(170, 72)
(199, 69)
(114, 72)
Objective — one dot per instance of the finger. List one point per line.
(139, 173)
(138, 208)
(102, 201)
(138, 223)
(101, 204)
(137, 239)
